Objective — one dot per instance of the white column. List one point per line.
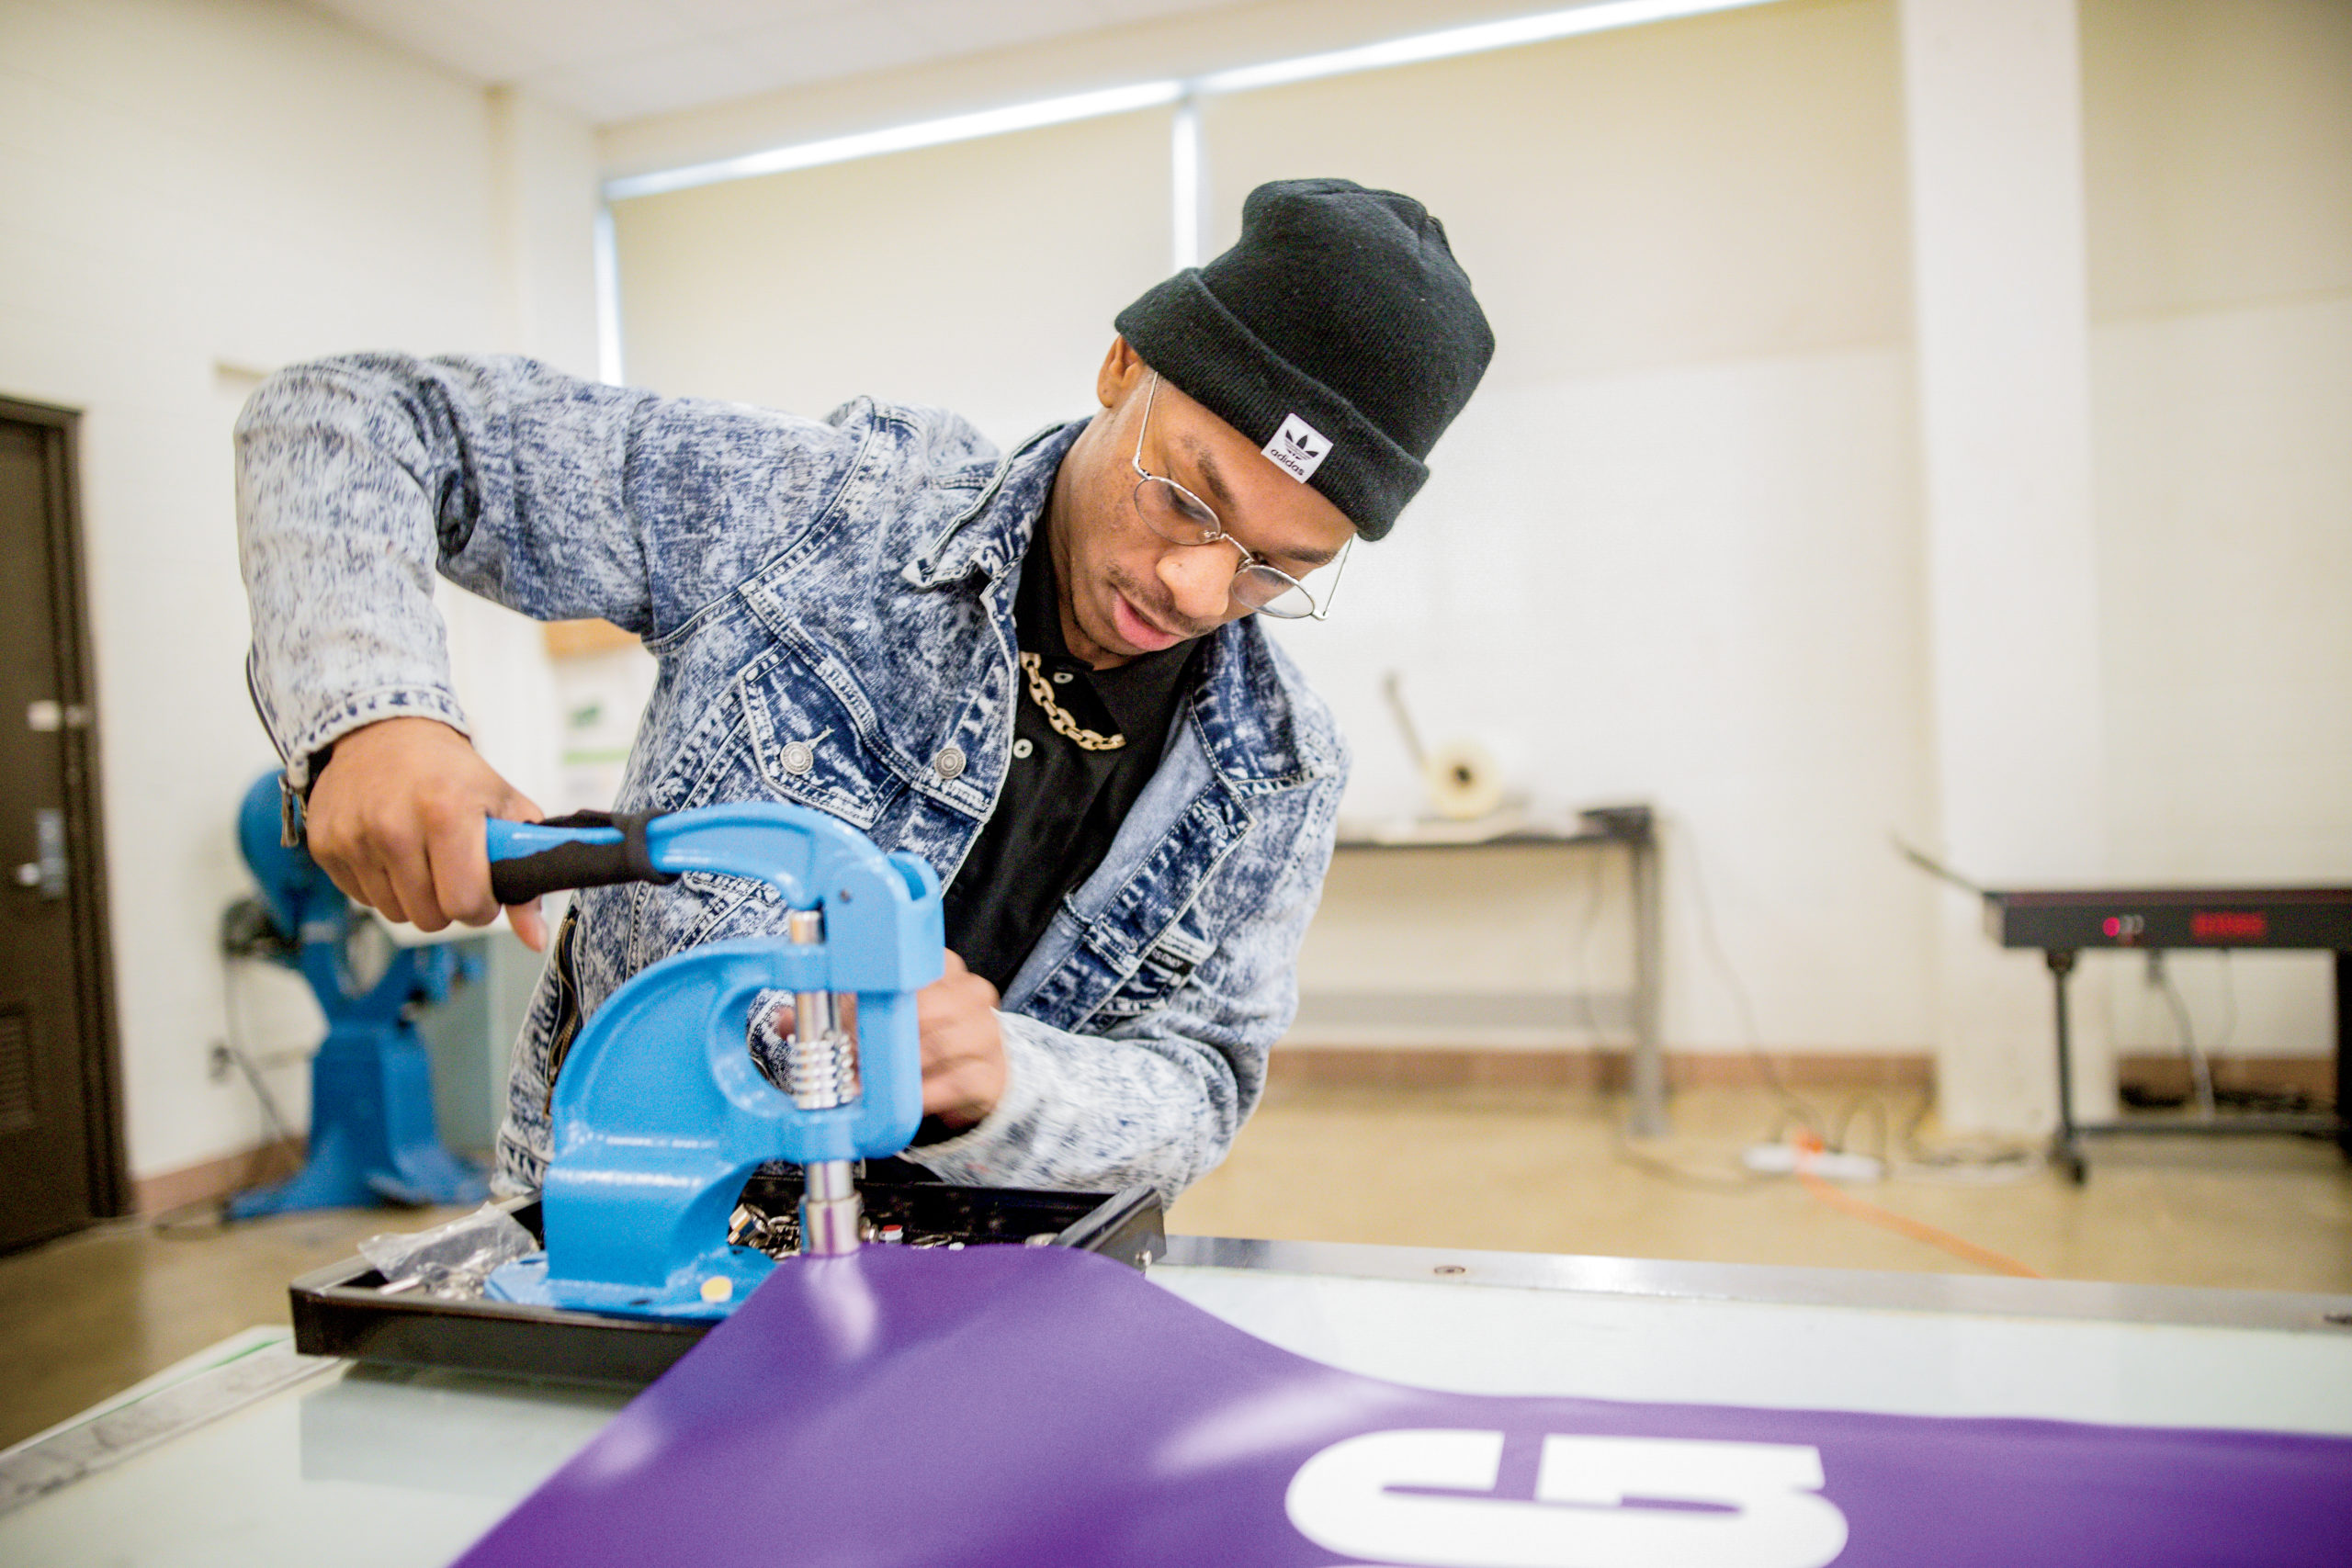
(543, 164)
(1188, 186)
(544, 172)
(1993, 102)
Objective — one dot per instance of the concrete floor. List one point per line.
(1544, 1172)
(90, 1314)
(1541, 1171)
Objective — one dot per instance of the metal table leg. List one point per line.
(2344, 1051)
(2065, 1148)
(1649, 1058)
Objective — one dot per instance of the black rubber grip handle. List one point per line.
(578, 862)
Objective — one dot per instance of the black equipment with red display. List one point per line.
(2062, 923)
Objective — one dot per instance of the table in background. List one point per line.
(1631, 828)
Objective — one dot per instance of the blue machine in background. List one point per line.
(373, 1139)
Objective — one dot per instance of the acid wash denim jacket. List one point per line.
(830, 605)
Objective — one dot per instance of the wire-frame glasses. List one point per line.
(1179, 517)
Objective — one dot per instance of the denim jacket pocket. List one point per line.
(806, 742)
(1166, 964)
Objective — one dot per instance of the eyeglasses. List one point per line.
(1179, 517)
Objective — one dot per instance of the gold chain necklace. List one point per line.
(1040, 692)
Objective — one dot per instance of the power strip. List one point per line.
(1784, 1159)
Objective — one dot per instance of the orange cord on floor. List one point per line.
(1918, 1230)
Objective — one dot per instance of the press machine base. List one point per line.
(341, 1310)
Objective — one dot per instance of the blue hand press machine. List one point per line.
(660, 1114)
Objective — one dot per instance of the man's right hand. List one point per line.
(396, 818)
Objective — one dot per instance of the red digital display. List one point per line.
(2229, 925)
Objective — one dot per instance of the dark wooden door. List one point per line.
(60, 1161)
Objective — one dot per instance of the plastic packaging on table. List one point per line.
(449, 1262)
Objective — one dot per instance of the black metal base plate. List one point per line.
(340, 1311)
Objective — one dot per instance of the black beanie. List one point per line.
(1339, 331)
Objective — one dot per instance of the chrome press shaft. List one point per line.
(820, 1072)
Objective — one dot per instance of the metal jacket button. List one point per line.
(798, 757)
(949, 763)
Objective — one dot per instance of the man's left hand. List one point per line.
(963, 1048)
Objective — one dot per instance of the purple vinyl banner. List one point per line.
(1038, 1407)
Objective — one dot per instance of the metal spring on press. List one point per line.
(821, 1064)
(821, 1071)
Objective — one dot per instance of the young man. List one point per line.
(1039, 672)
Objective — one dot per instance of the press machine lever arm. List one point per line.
(587, 849)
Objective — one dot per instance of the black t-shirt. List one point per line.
(1062, 803)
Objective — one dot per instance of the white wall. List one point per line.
(1672, 545)
(195, 192)
(980, 277)
(1716, 533)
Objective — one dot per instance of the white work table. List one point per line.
(267, 1458)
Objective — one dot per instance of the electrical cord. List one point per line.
(1795, 1105)
(1986, 1163)
(1855, 1108)
(2229, 1031)
(1587, 920)
(2205, 1061)
(279, 1131)
(209, 1216)
(204, 1218)
(174, 1223)
(1980, 1163)
(1737, 1180)
(2201, 1070)
(281, 1135)
(1918, 1230)
(1985, 1166)
(1794, 1109)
